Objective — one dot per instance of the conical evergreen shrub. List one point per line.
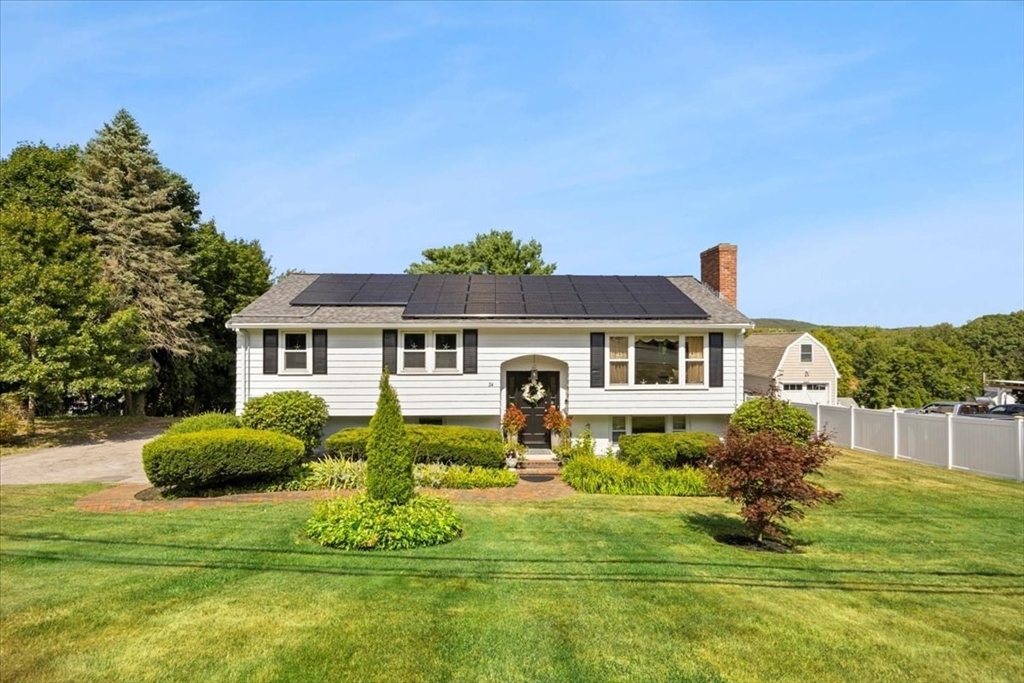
(389, 461)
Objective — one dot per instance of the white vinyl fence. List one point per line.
(993, 447)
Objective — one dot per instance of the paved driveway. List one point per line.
(117, 461)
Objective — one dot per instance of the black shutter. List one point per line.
(269, 352)
(596, 360)
(391, 351)
(469, 341)
(716, 341)
(319, 352)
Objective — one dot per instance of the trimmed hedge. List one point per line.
(202, 460)
(295, 413)
(675, 449)
(608, 475)
(204, 422)
(430, 443)
(359, 523)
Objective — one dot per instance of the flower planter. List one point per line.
(511, 462)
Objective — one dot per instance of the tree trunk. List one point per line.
(30, 415)
(134, 403)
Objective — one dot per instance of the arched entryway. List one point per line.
(551, 374)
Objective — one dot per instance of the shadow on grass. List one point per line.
(731, 531)
(654, 571)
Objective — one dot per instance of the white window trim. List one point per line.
(669, 424)
(281, 351)
(430, 364)
(631, 356)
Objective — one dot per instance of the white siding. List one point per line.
(354, 365)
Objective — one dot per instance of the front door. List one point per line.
(533, 435)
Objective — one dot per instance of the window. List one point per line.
(805, 353)
(296, 352)
(648, 424)
(414, 351)
(695, 360)
(431, 352)
(817, 387)
(618, 427)
(655, 360)
(432, 421)
(792, 387)
(446, 351)
(678, 423)
(618, 364)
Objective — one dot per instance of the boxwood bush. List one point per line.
(430, 443)
(204, 422)
(359, 523)
(771, 414)
(676, 449)
(608, 475)
(295, 413)
(202, 460)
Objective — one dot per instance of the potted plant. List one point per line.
(512, 423)
(559, 424)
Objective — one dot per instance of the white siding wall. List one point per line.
(354, 365)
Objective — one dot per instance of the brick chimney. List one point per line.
(718, 270)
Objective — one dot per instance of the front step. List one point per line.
(539, 467)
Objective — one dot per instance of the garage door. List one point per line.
(806, 393)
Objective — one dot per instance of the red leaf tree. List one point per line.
(765, 471)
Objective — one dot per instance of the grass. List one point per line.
(68, 431)
(918, 575)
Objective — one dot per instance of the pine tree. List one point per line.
(127, 201)
(389, 463)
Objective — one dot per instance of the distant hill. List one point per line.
(784, 324)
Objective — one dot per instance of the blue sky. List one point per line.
(868, 159)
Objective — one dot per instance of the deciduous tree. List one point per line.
(496, 252)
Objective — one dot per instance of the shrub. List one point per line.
(607, 475)
(12, 414)
(462, 477)
(295, 413)
(334, 474)
(204, 422)
(388, 458)
(581, 446)
(680, 449)
(765, 472)
(430, 443)
(772, 414)
(201, 460)
(361, 523)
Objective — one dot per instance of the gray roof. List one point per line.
(274, 308)
(762, 353)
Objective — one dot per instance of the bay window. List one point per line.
(656, 360)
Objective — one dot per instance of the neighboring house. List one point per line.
(620, 354)
(797, 362)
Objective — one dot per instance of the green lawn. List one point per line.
(66, 431)
(918, 575)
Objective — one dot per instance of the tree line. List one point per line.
(113, 290)
(910, 367)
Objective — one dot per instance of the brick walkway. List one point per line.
(122, 498)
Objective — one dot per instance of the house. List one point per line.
(621, 354)
(797, 362)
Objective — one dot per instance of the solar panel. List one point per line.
(568, 296)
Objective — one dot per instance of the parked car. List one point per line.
(1004, 412)
(951, 408)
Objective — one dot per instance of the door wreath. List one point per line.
(534, 392)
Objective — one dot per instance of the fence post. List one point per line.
(853, 423)
(895, 432)
(1019, 419)
(949, 441)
